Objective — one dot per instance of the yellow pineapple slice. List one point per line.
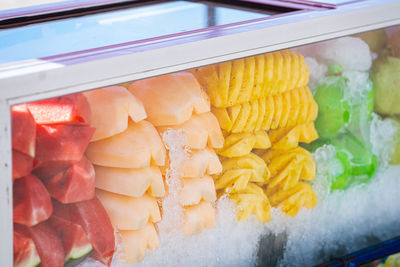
(278, 105)
(135, 242)
(198, 217)
(289, 138)
(269, 113)
(262, 140)
(268, 74)
(129, 213)
(252, 120)
(261, 114)
(223, 116)
(242, 118)
(304, 105)
(237, 144)
(239, 171)
(196, 189)
(248, 80)
(293, 199)
(257, 91)
(252, 199)
(236, 81)
(294, 107)
(286, 99)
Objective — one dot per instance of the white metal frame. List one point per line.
(32, 80)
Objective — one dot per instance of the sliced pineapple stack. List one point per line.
(127, 153)
(176, 102)
(263, 102)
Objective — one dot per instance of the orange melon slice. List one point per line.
(135, 243)
(200, 130)
(130, 182)
(111, 107)
(137, 147)
(196, 189)
(129, 213)
(199, 163)
(171, 99)
(198, 217)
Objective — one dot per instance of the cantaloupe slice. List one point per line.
(199, 163)
(196, 189)
(135, 243)
(111, 107)
(198, 217)
(129, 213)
(171, 99)
(200, 130)
(130, 182)
(136, 147)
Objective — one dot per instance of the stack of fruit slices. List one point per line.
(175, 102)
(57, 217)
(127, 153)
(262, 103)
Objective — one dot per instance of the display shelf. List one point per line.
(39, 77)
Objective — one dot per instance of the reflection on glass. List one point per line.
(114, 27)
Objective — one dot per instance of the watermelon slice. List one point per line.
(48, 244)
(22, 164)
(111, 107)
(23, 130)
(72, 109)
(59, 146)
(171, 99)
(74, 239)
(31, 201)
(25, 253)
(93, 218)
(74, 185)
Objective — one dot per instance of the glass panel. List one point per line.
(115, 27)
(10, 4)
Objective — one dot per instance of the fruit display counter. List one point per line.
(277, 150)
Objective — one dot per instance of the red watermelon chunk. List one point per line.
(75, 184)
(48, 244)
(74, 238)
(59, 146)
(93, 218)
(22, 164)
(73, 109)
(23, 130)
(31, 201)
(25, 253)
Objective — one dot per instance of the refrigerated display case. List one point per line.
(236, 86)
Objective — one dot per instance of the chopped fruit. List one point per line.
(31, 201)
(48, 244)
(200, 130)
(22, 164)
(129, 213)
(58, 146)
(25, 253)
(241, 144)
(242, 80)
(71, 109)
(23, 130)
(252, 200)
(199, 163)
(137, 147)
(111, 107)
(73, 185)
(196, 189)
(93, 218)
(198, 217)
(130, 182)
(288, 138)
(135, 242)
(238, 172)
(73, 237)
(171, 99)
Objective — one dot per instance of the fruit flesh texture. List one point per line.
(198, 217)
(130, 182)
(22, 164)
(75, 184)
(25, 253)
(200, 130)
(139, 146)
(93, 218)
(129, 213)
(31, 201)
(111, 109)
(68, 109)
(196, 189)
(136, 242)
(23, 130)
(171, 99)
